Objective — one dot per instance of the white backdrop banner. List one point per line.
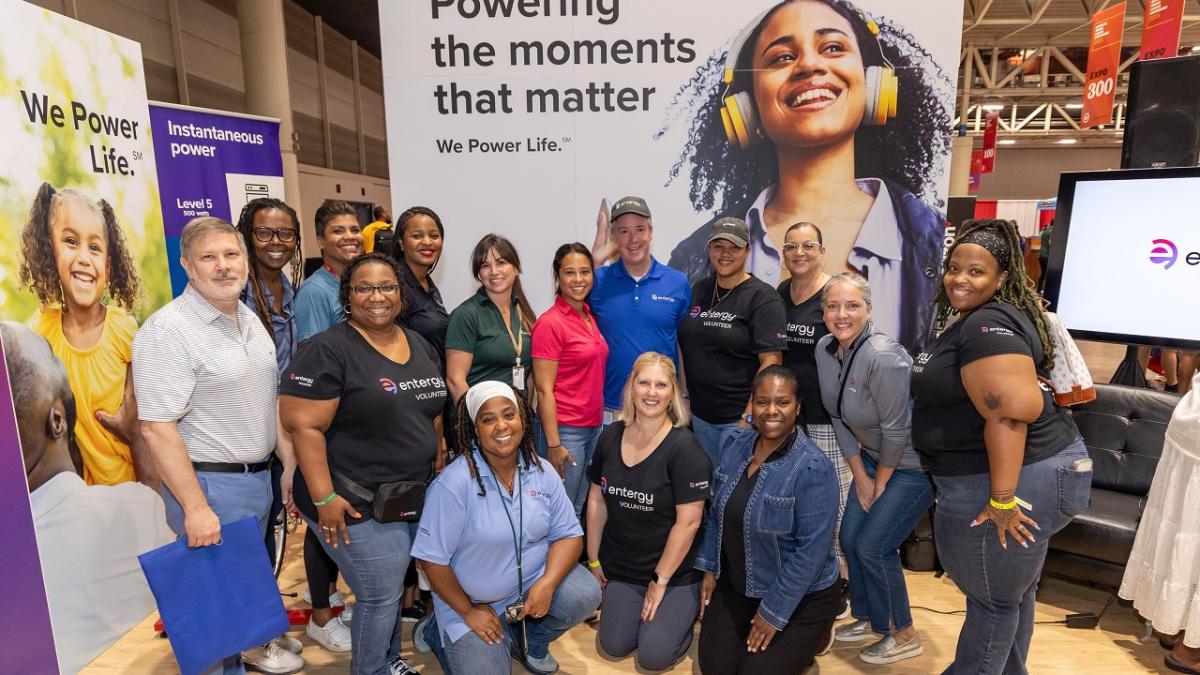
(519, 116)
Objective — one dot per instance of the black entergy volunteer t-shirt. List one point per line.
(721, 342)
(947, 429)
(805, 325)
(641, 502)
(383, 430)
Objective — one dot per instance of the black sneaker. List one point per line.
(413, 613)
(399, 667)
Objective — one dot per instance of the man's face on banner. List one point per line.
(632, 234)
(809, 82)
(217, 266)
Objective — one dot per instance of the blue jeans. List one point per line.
(232, 496)
(580, 444)
(871, 542)
(575, 599)
(1001, 584)
(712, 437)
(373, 565)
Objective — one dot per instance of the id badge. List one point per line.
(518, 381)
(608, 417)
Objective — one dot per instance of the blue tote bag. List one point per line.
(216, 601)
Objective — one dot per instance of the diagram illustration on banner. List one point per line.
(82, 262)
(827, 111)
(211, 163)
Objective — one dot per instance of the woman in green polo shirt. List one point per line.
(488, 336)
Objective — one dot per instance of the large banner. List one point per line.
(29, 638)
(1104, 60)
(210, 163)
(520, 117)
(1161, 26)
(82, 262)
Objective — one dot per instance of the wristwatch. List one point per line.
(661, 580)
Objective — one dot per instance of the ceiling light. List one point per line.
(993, 107)
(1073, 106)
(1067, 141)
(1007, 141)
(1196, 49)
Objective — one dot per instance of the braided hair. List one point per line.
(1017, 289)
(255, 283)
(467, 438)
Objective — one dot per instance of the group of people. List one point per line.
(664, 451)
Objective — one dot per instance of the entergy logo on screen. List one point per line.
(1164, 252)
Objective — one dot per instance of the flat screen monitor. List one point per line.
(1125, 256)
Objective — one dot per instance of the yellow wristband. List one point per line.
(1003, 507)
(593, 564)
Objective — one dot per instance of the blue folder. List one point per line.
(216, 601)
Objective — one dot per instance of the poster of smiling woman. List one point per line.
(835, 112)
(82, 261)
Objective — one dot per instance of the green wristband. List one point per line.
(323, 502)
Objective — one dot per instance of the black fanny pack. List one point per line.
(401, 501)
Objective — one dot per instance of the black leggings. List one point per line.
(319, 568)
(726, 627)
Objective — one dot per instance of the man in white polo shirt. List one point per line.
(205, 378)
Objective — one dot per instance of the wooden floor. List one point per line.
(1114, 647)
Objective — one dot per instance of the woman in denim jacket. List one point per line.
(770, 592)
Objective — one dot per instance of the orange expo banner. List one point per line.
(1104, 58)
(1160, 29)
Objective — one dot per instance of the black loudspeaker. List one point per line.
(1162, 124)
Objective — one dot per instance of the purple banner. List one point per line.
(210, 163)
(25, 633)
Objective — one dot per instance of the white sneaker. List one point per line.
(335, 600)
(290, 643)
(333, 636)
(273, 659)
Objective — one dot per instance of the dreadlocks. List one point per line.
(245, 226)
(1017, 289)
(466, 438)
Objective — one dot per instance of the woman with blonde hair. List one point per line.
(650, 480)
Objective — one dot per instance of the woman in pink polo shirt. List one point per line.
(568, 367)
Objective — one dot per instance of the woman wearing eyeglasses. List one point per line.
(341, 383)
(804, 258)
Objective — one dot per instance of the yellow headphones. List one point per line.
(740, 116)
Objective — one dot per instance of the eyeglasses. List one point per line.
(264, 234)
(807, 247)
(366, 290)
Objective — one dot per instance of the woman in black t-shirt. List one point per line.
(804, 258)
(340, 385)
(995, 443)
(735, 328)
(650, 480)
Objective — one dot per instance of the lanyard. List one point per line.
(519, 340)
(520, 526)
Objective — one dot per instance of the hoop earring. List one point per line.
(346, 309)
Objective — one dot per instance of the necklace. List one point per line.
(717, 297)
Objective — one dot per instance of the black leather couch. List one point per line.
(1123, 429)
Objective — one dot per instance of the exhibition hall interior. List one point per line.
(487, 336)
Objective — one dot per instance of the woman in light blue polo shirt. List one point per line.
(500, 543)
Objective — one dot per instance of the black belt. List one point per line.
(231, 467)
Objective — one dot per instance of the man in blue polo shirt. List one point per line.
(638, 302)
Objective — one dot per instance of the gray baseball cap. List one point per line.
(629, 204)
(732, 229)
